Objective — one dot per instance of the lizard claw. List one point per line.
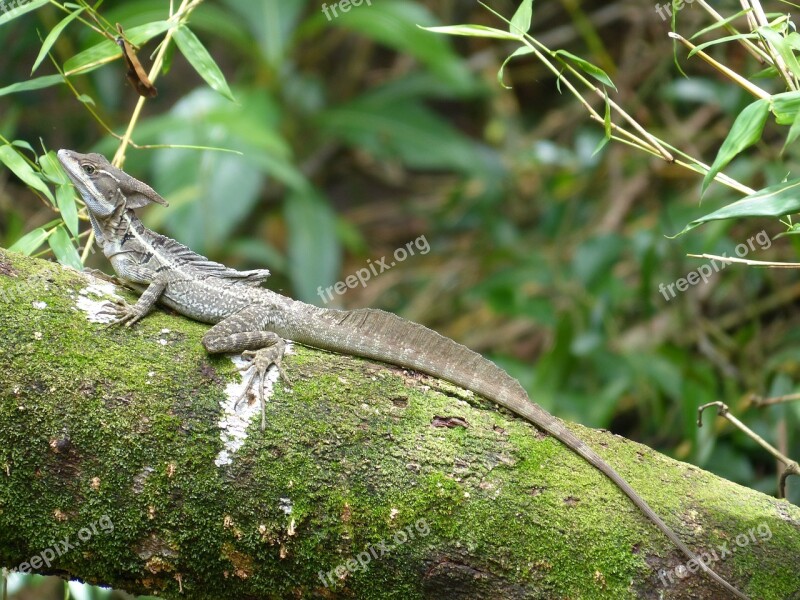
(260, 361)
(124, 313)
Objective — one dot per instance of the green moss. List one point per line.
(99, 422)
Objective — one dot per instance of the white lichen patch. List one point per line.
(233, 423)
(94, 299)
(285, 505)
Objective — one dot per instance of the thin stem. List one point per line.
(183, 11)
(730, 74)
(757, 52)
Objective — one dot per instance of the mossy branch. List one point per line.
(369, 482)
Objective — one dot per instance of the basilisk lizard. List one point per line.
(253, 320)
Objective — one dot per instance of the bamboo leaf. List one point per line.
(723, 23)
(30, 242)
(201, 60)
(52, 37)
(588, 68)
(521, 21)
(745, 131)
(794, 131)
(10, 158)
(65, 251)
(783, 46)
(20, 10)
(65, 195)
(106, 51)
(773, 201)
(518, 52)
(474, 31)
(722, 40)
(52, 169)
(606, 125)
(785, 106)
(32, 84)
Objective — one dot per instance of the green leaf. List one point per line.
(518, 52)
(521, 21)
(25, 145)
(21, 10)
(606, 125)
(745, 131)
(314, 252)
(722, 23)
(773, 201)
(32, 84)
(588, 68)
(30, 242)
(474, 31)
(65, 194)
(201, 60)
(52, 37)
(10, 158)
(722, 40)
(794, 132)
(783, 46)
(785, 107)
(106, 51)
(63, 248)
(52, 169)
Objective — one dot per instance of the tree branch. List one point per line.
(121, 463)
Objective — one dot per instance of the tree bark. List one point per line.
(122, 464)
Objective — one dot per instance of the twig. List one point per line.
(746, 261)
(760, 401)
(791, 467)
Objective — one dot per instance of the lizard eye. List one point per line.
(88, 169)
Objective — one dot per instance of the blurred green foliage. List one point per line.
(356, 135)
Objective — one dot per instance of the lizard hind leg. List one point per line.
(261, 360)
(261, 349)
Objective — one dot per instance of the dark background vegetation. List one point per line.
(544, 257)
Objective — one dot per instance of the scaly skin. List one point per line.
(254, 320)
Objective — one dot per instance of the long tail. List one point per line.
(388, 338)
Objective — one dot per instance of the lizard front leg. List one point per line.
(128, 315)
(259, 347)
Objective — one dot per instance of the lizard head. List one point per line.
(103, 186)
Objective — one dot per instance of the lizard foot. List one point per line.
(126, 314)
(260, 361)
